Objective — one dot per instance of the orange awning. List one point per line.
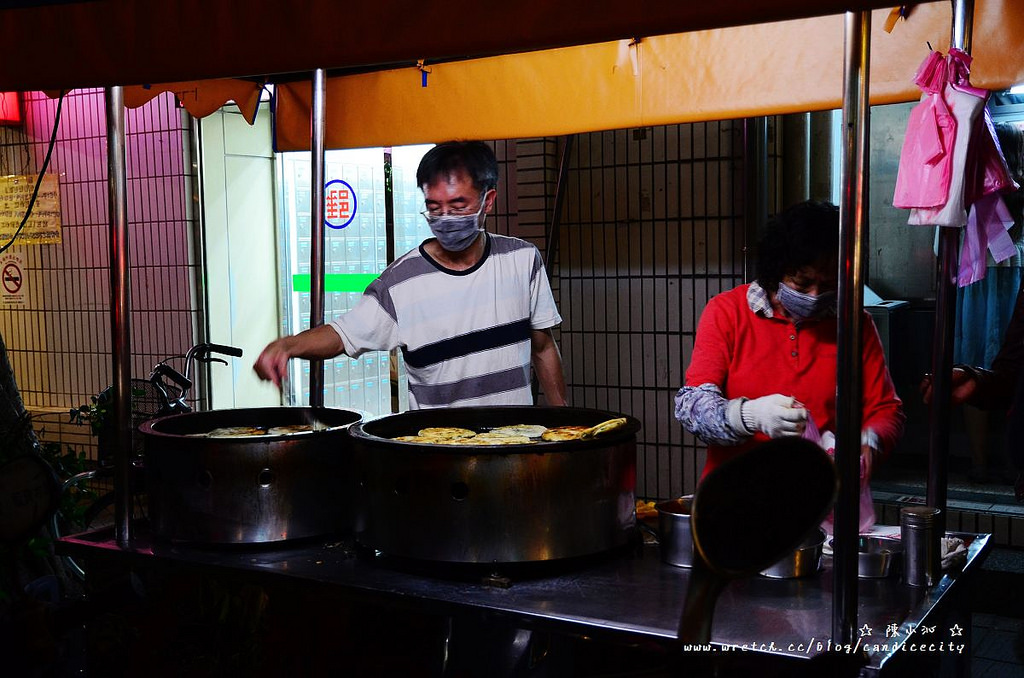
(645, 78)
(100, 43)
(725, 73)
(202, 97)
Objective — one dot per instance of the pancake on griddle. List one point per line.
(564, 433)
(237, 432)
(445, 432)
(528, 430)
(489, 439)
(291, 429)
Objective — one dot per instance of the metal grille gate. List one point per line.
(653, 228)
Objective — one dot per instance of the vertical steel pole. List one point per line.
(120, 315)
(849, 379)
(555, 228)
(196, 216)
(316, 241)
(945, 319)
(389, 236)
(755, 188)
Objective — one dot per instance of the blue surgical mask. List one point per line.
(457, 232)
(801, 306)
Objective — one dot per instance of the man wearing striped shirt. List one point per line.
(470, 310)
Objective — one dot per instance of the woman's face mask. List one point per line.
(802, 306)
(456, 232)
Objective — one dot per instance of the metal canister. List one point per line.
(922, 563)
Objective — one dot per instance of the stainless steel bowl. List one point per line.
(674, 537)
(878, 557)
(804, 561)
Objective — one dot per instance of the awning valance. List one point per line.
(48, 45)
(725, 73)
(644, 79)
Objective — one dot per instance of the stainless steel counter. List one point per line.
(629, 594)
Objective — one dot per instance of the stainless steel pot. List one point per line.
(494, 504)
(878, 557)
(249, 490)
(803, 561)
(674, 537)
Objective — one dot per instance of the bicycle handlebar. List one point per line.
(165, 370)
(203, 351)
(182, 383)
(226, 350)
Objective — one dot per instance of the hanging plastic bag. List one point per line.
(827, 441)
(986, 166)
(925, 168)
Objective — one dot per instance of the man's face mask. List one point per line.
(801, 306)
(456, 232)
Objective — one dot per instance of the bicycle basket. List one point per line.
(147, 402)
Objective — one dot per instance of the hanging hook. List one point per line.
(634, 58)
(424, 72)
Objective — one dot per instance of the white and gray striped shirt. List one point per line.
(465, 335)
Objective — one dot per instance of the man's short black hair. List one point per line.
(475, 158)
(806, 234)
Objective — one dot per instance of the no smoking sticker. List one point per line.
(12, 280)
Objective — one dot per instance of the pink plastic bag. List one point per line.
(925, 160)
(867, 505)
(986, 167)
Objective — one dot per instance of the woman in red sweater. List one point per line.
(764, 359)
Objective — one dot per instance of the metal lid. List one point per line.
(923, 516)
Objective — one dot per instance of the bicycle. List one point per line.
(163, 393)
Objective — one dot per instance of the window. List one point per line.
(355, 252)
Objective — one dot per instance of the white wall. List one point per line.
(241, 251)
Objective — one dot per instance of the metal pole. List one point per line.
(849, 379)
(556, 212)
(316, 210)
(796, 171)
(196, 215)
(389, 240)
(755, 188)
(945, 319)
(120, 315)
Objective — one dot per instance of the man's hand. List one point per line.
(774, 415)
(319, 343)
(962, 383)
(272, 364)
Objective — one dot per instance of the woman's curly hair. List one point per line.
(806, 234)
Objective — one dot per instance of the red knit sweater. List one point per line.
(747, 354)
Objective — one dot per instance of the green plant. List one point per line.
(68, 463)
(97, 413)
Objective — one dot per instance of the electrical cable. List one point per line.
(39, 179)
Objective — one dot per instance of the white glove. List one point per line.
(774, 415)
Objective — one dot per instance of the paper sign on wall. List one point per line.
(43, 227)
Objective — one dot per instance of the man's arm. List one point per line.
(318, 343)
(547, 363)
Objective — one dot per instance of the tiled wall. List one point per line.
(59, 342)
(1004, 522)
(654, 227)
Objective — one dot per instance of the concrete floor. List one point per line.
(997, 604)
